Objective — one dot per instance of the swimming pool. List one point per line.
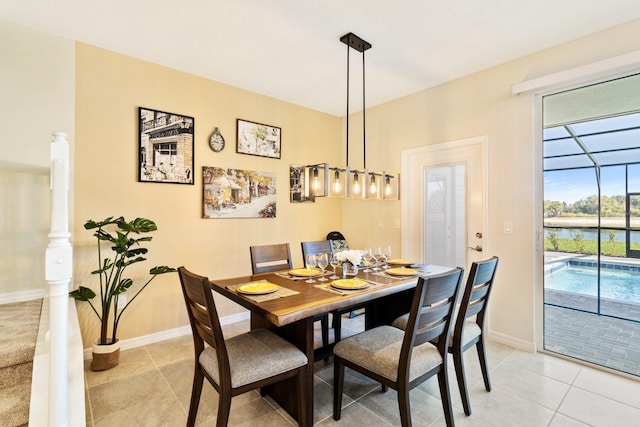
(614, 284)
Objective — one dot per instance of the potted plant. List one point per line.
(126, 250)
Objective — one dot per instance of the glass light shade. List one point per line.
(374, 185)
(338, 177)
(317, 179)
(358, 184)
(391, 186)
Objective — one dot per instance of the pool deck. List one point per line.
(602, 340)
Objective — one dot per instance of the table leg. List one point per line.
(383, 311)
(285, 392)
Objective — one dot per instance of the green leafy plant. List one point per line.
(553, 236)
(127, 250)
(578, 238)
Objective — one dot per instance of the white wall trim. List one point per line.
(529, 346)
(596, 70)
(169, 333)
(10, 297)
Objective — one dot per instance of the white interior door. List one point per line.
(444, 207)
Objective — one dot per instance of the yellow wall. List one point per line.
(110, 87)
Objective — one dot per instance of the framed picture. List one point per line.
(257, 139)
(299, 185)
(165, 147)
(235, 193)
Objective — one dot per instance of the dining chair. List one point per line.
(466, 331)
(337, 240)
(268, 258)
(338, 244)
(404, 359)
(316, 247)
(277, 257)
(239, 364)
(321, 247)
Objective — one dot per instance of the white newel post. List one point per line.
(58, 275)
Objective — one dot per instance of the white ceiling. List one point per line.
(290, 49)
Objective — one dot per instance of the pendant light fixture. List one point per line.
(327, 181)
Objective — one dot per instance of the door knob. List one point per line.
(476, 248)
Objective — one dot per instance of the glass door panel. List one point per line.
(445, 229)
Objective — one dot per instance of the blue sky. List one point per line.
(575, 184)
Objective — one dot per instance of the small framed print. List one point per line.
(258, 139)
(165, 147)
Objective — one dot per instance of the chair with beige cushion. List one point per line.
(277, 257)
(468, 332)
(403, 359)
(242, 363)
(326, 247)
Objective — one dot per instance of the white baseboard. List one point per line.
(168, 334)
(10, 297)
(509, 340)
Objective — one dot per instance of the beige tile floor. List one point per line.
(152, 386)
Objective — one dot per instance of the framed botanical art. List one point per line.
(258, 140)
(165, 147)
(236, 193)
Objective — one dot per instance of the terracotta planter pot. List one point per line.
(105, 356)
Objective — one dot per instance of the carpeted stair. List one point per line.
(18, 332)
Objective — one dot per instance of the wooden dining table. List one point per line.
(290, 312)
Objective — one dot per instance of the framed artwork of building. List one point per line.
(165, 147)
(299, 185)
(237, 193)
(258, 139)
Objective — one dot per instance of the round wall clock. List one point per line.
(216, 142)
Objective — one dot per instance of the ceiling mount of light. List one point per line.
(344, 181)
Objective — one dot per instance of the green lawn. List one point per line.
(584, 246)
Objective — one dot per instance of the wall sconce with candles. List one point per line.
(327, 181)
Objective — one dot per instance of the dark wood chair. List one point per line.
(316, 247)
(468, 332)
(268, 258)
(245, 362)
(322, 247)
(403, 359)
(277, 257)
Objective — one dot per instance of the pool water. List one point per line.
(614, 284)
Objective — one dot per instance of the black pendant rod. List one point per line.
(355, 42)
(364, 127)
(347, 104)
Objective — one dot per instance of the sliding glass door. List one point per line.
(591, 168)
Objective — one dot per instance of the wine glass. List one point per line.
(334, 263)
(323, 262)
(387, 256)
(383, 258)
(379, 257)
(368, 260)
(311, 263)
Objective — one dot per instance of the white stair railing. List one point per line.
(58, 273)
